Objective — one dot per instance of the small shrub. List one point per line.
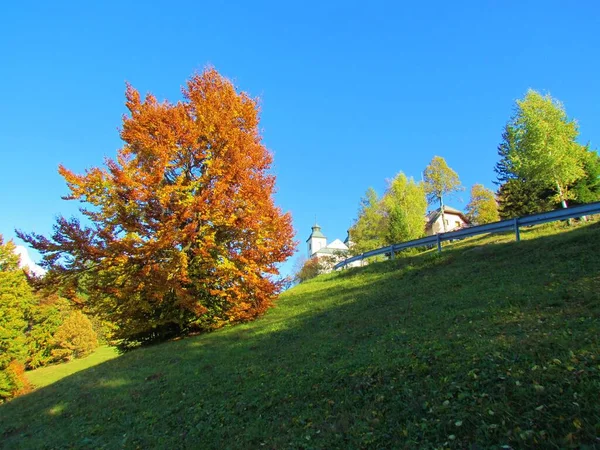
(310, 269)
(75, 338)
(13, 381)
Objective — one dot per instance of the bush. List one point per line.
(13, 381)
(75, 338)
(310, 269)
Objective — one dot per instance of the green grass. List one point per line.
(47, 375)
(479, 347)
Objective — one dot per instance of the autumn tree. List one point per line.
(483, 207)
(309, 268)
(16, 299)
(440, 180)
(368, 231)
(405, 206)
(545, 147)
(75, 338)
(183, 231)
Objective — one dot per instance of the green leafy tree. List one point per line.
(517, 196)
(440, 180)
(546, 151)
(483, 207)
(587, 188)
(47, 315)
(368, 231)
(58, 331)
(16, 300)
(405, 206)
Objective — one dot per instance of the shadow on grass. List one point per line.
(395, 354)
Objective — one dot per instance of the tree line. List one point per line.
(541, 167)
(37, 328)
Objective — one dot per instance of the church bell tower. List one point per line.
(316, 240)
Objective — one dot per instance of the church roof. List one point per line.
(316, 233)
(331, 251)
(337, 245)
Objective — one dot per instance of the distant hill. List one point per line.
(481, 346)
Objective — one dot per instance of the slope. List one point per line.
(481, 345)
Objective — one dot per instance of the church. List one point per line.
(334, 252)
(317, 244)
(337, 250)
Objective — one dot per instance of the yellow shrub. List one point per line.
(75, 338)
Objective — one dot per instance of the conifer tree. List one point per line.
(517, 196)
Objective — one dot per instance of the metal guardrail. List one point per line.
(496, 227)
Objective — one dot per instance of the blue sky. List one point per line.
(351, 92)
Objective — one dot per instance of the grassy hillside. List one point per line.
(479, 347)
(47, 375)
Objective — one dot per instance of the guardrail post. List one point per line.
(392, 257)
(439, 243)
(517, 233)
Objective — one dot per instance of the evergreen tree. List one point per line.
(517, 198)
(504, 167)
(516, 195)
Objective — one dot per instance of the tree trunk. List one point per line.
(443, 216)
(563, 201)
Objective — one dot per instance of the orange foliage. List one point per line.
(16, 372)
(185, 230)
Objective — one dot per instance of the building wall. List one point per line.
(453, 222)
(357, 263)
(315, 244)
